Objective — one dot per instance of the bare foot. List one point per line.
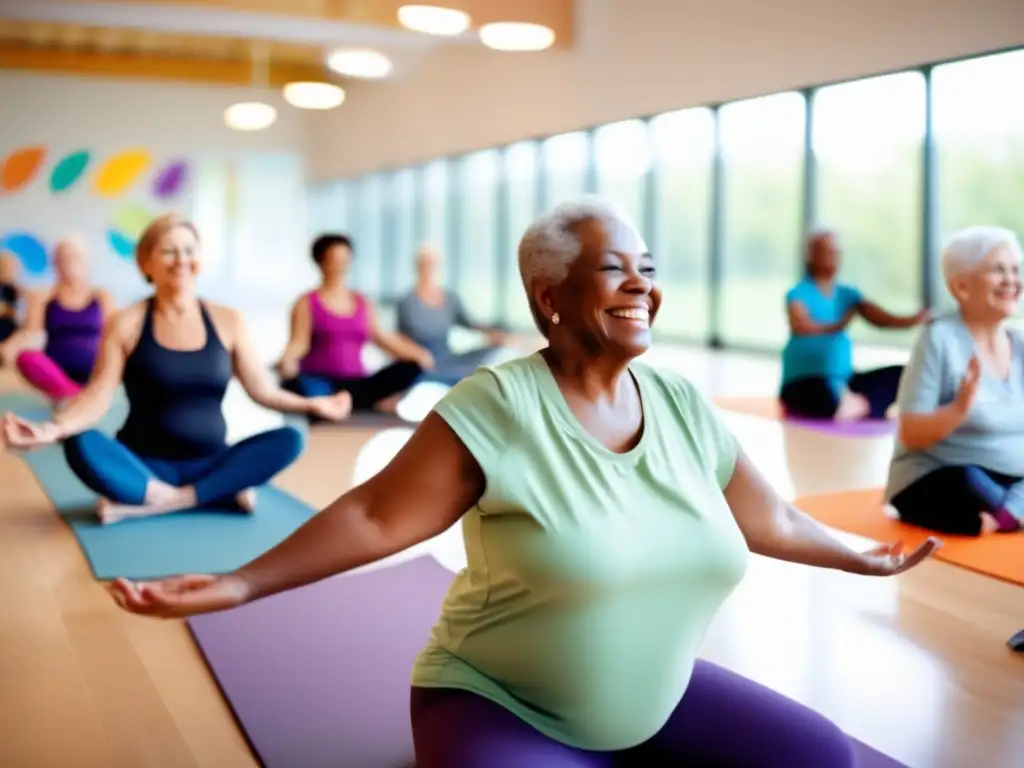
(161, 499)
(247, 499)
(988, 524)
(389, 405)
(853, 407)
(108, 512)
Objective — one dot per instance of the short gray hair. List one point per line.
(551, 244)
(967, 248)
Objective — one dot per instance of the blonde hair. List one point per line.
(157, 228)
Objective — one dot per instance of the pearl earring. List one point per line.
(555, 319)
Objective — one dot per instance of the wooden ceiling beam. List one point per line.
(555, 14)
(127, 66)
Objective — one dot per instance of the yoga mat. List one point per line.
(769, 408)
(862, 512)
(319, 677)
(197, 541)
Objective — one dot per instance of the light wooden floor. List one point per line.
(915, 666)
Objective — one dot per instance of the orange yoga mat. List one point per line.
(862, 513)
(765, 407)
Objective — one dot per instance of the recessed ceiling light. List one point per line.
(250, 116)
(313, 95)
(433, 20)
(359, 62)
(516, 36)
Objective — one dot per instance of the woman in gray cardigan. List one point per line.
(958, 467)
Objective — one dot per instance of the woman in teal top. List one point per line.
(959, 462)
(607, 514)
(818, 378)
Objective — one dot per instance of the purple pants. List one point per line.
(723, 720)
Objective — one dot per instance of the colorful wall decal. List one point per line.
(118, 173)
(125, 227)
(29, 249)
(20, 167)
(170, 180)
(68, 170)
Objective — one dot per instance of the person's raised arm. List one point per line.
(298, 340)
(881, 318)
(421, 493)
(923, 420)
(775, 528)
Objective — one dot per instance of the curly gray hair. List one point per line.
(550, 244)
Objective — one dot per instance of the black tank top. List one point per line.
(175, 397)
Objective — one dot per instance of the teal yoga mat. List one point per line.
(198, 541)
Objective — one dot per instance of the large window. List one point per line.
(867, 139)
(978, 118)
(762, 143)
(477, 278)
(684, 150)
(436, 213)
(566, 158)
(521, 208)
(367, 230)
(622, 153)
(400, 233)
(724, 197)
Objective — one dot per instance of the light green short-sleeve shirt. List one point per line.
(592, 576)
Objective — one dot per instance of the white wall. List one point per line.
(644, 57)
(246, 191)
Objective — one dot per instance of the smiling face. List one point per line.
(992, 289)
(173, 261)
(609, 299)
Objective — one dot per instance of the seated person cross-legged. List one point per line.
(958, 467)
(608, 513)
(331, 327)
(71, 314)
(818, 377)
(427, 315)
(175, 355)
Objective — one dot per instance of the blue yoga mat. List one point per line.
(197, 541)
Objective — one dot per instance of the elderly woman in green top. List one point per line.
(607, 514)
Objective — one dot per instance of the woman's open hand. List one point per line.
(890, 559)
(180, 596)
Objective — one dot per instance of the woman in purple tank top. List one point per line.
(71, 314)
(331, 327)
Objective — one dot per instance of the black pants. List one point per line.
(814, 397)
(366, 391)
(951, 499)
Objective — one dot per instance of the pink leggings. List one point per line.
(45, 375)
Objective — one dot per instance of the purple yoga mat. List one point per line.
(869, 428)
(319, 677)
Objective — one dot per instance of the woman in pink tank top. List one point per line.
(331, 327)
